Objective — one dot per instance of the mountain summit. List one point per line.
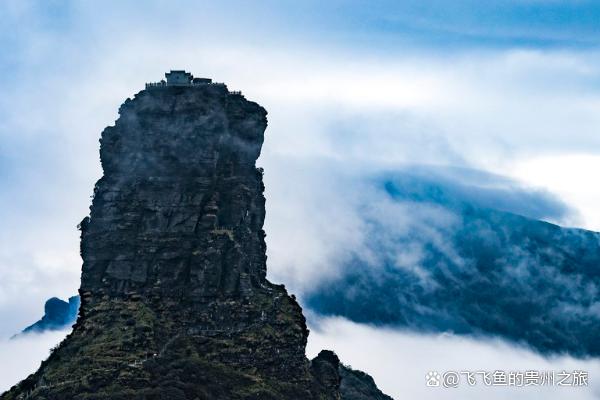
(175, 303)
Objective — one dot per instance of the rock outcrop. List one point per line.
(58, 314)
(175, 303)
(357, 385)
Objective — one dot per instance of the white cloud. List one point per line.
(22, 356)
(398, 361)
(569, 175)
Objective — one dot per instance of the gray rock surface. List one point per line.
(174, 298)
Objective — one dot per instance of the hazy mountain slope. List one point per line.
(438, 258)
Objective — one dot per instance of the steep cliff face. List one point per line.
(174, 298)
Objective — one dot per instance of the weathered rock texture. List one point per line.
(356, 385)
(174, 298)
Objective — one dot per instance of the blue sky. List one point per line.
(352, 87)
(356, 24)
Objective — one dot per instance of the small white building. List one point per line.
(178, 78)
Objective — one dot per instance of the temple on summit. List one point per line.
(179, 78)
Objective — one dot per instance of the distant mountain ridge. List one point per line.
(442, 260)
(58, 314)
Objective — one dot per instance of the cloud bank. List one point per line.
(400, 360)
(438, 250)
(23, 355)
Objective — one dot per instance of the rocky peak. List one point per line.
(174, 298)
(179, 210)
(58, 314)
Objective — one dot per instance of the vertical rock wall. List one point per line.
(174, 298)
